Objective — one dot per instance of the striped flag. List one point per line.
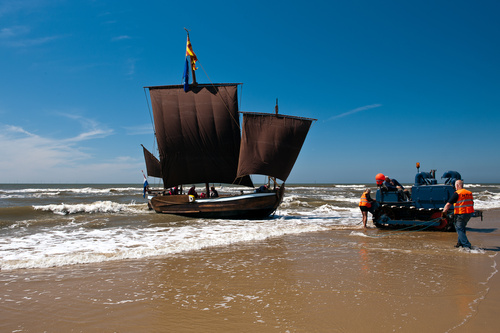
(190, 52)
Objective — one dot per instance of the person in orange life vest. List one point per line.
(463, 203)
(365, 203)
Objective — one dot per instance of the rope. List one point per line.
(236, 121)
(425, 224)
(149, 109)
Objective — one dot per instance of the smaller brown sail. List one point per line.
(153, 166)
(271, 143)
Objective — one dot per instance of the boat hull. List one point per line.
(245, 206)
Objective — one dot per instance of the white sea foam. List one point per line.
(41, 192)
(84, 234)
(360, 234)
(58, 246)
(355, 186)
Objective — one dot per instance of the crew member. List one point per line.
(262, 189)
(192, 191)
(365, 203)
(463, 203)
(394, 185)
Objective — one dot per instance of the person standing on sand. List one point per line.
(365, 203)
(463, 208)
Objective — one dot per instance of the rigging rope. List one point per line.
(149, 109)
(236, 121)
(425, 224)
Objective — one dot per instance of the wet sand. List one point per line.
(331, 281)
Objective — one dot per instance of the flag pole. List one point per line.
(194, 75)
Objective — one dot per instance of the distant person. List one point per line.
(365, 203)
(214, 193)
(463, 203)
(192, 191)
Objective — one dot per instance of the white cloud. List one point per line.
(13, 32)
(31, 158)
(363, 108)
(25, 154)
(93, 130)
(17, 36)
(123, 37)
(140, 130)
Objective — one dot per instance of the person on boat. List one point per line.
(394, 185)
(463, 203)
(262, 189)
(174, 191)
(192, 191)
(391, 184)
(365, 203)
(214, 193)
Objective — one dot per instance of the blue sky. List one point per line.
(391, 83)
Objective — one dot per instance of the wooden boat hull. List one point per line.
(245, 206)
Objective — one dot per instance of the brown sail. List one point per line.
(198, 133)
(271, 143)
(153, 166)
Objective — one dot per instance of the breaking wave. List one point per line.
(95, 207)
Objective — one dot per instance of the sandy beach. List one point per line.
(335, 281)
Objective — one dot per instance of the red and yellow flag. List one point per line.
(190, 53)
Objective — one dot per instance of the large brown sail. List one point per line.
(198, 133)
(153, 166)
(271, 143)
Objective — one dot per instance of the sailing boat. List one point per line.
(199, 141)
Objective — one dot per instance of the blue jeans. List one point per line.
(460, 224)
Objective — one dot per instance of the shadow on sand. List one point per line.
(481, 230)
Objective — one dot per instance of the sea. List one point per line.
(50, 225)
(94, 258)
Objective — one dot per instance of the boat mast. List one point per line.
(274, 178)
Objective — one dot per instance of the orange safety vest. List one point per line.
(363, 201)
(465, 203)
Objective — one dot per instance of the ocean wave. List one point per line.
(332, 210)
(57, 247)
(486, 204)
(353, 186)
(95, 207)
(293, 201)
(39, 192)
(339, 198)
